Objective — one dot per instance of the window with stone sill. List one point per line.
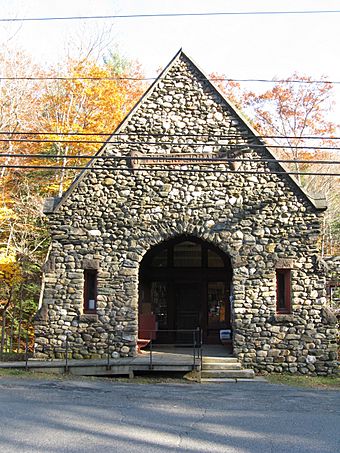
(90, 291)
(283, 291)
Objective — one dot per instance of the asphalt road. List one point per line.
(105, 416)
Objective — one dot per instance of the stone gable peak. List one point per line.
(183, 113)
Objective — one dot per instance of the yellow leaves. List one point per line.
(88, 98)
(85, 104)
(51, 188)
(10, 272)
(7, 214)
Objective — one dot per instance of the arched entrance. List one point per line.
(185, 283)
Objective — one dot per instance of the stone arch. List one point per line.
(185, 297)
(164, 231)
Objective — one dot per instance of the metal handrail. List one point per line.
(194, 334)
(196, 343)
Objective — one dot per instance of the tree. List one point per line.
(86, 105)
(294, 111)
(230, 88)
(65, 106)
(18, 102)
(23, 243)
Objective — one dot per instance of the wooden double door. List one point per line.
(182, 305)
(185, 284)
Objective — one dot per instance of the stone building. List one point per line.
(224, 242)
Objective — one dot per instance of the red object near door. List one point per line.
(147, 327)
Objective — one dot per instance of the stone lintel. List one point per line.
(90, 264)
(284, 263)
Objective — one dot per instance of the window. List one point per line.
(161, 259)
(188, 254)
(214, 260)
(217, 298)
(283, 296)
(90, 291)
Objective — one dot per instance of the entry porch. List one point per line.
(159, 358)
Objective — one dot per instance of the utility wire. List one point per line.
(233, 146)
(171, 170)
(158, 134)
(83, 78)
(217, 160)
(140, 16)
(214, 79)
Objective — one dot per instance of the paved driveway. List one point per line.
(106, 416)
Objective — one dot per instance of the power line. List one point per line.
(141, 16)
(81, 78)
(171, 170)
(233, 146)
(217, 160)
(158, 134)
(141, 79)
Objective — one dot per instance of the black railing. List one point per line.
(16, 336)
(192, 340)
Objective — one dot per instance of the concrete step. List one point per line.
(246, 374)
(219, 360)
(223, 380)
(221, 366)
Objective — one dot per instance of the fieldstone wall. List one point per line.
(112, 216)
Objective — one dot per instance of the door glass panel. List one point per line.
(160, 260)
(187, 254)
(188, 308)
(159, 303)
(214, 260)
(216, 303)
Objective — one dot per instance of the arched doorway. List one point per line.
(185, 283)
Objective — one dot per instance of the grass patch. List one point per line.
(21, 373)
(11, 372)
(323, 382)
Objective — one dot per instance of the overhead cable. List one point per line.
(141, 16)
(232, 145)
(171, 170)
(158, 134)
(168, 157)
(141, 79)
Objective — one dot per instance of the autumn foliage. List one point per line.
(79, 97)
(287, 115)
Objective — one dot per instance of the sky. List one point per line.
(260, 47)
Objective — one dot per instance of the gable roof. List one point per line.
(317, 201)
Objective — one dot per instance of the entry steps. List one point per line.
(217, 369)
